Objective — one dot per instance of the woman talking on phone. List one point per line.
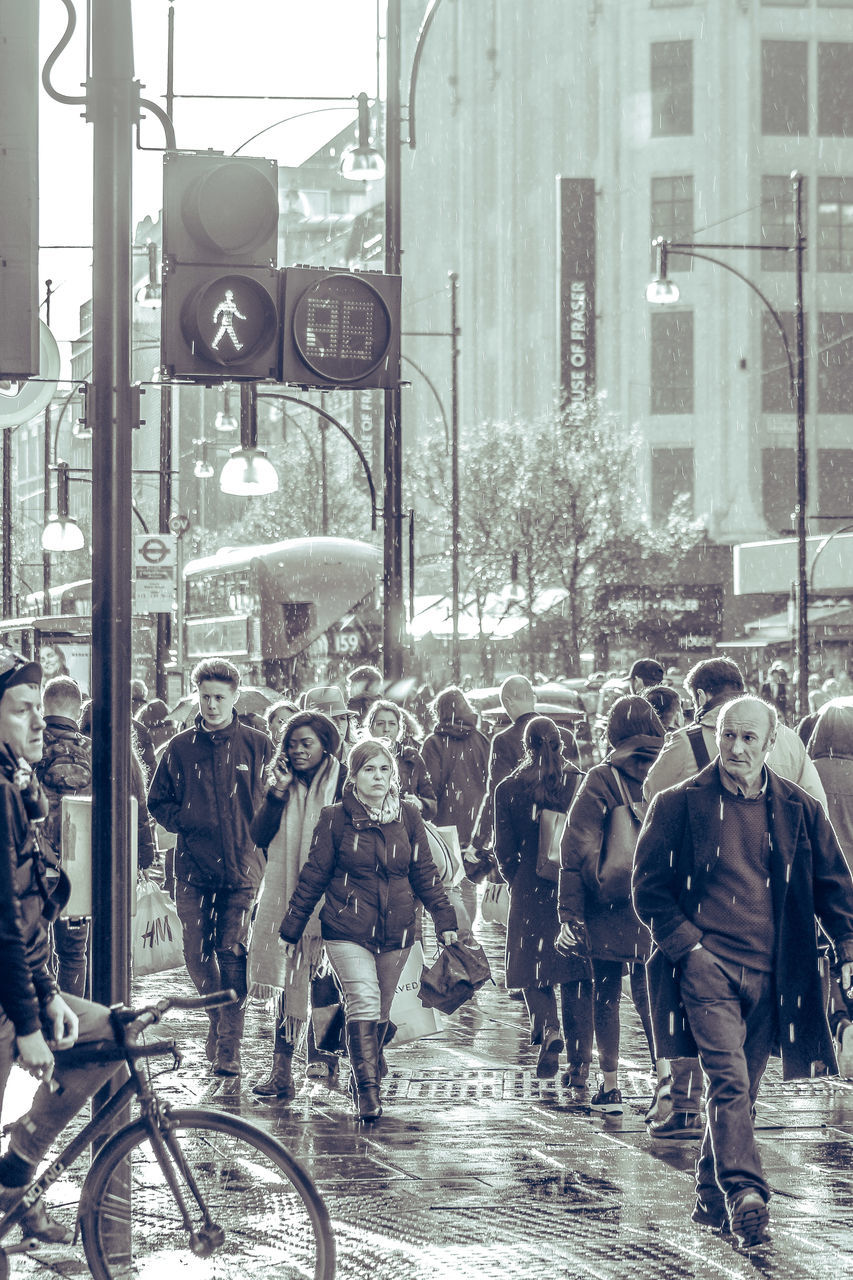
(371, 859)
(305, 775)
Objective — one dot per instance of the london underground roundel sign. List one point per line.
(342, 328)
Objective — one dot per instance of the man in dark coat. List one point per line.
(731, 869)
(208, 784)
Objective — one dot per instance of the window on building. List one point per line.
(672, 362)
(835, 90)
(672, 478)
(777, 221)
(835, 362)
(835, 224)
(672, 216)
(835, 483)
(778, 487)
(775, 374)
(784, 78)
(835, 4)
(672, 88)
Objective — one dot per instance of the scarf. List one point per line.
(269, 973)
(389, 810)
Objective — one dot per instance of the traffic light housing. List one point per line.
(340, 328)
(19, 82)
(221, 291)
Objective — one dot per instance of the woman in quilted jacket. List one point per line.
(370, 858)
(386, 720)
(594, 925)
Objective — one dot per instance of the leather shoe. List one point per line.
(549, 1056)
(713, 1216)
(37, 1223)
(749, 1217)
(678, 1125)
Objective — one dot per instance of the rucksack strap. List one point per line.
(696, 738)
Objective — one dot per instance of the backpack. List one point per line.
(697, 742)
(65, 769)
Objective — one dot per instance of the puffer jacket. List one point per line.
(371, 874)
(206, 789)
(456, 756)
(25, 978)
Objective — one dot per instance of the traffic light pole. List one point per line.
(112, 107)
(392, 598)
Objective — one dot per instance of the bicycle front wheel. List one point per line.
(270, 1219)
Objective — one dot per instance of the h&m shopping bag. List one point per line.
(411, 1018)
(158, 938)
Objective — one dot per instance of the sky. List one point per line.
(304, 48)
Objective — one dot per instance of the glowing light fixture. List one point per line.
(248, 473)
(361, 162)
(62, 532)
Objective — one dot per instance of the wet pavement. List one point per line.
(479, 1171)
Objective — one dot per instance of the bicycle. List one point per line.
(182, 1179)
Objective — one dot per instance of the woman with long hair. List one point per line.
(385, 719)
(594, 926)
(304, 777)
(544, 780)
(370, 858)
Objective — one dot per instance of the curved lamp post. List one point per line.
(663, 291)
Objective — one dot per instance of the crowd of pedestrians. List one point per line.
(692, 860)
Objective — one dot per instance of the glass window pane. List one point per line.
(672, 88)
(835, 90)
(672, 216)
(778, 487)
(835, 362)
(775, 372)
(672, 362)
(835, 224)
(777, 220)
(835, 483)
(784, 76)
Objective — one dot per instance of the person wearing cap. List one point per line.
(329, 699)
(36, 1022)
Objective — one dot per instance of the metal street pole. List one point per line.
(802, 460)
(454, 474)
(7, 522)
(392, 546)
(164, 620)
(112, 107)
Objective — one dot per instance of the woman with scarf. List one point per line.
(606, 932)
(385, 719)
(456, 756)
(543, 780)
(305, 776)
(371, 860)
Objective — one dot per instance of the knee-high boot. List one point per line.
(279, 1082)
(363, 1046)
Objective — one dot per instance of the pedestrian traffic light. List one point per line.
(340, 328)
(220, 314)
(19, 82)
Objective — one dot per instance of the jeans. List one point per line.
(50, 1112)
(216, 938)
(71, 943)
(594, 1006)
(732, 1014)
(368, 981)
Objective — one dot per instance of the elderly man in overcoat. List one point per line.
(732, 868)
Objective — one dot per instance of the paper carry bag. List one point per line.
(412, 1019)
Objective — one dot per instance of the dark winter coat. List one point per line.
(532, 928)
(371, 874)
(206, 788)
(505, 753)
(676, 855)
(612, 929)
(831, 748)
(457, 761)
(26, 982)
(414, 779)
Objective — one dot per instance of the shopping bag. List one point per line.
(158, 938)
(446, 853)
(327, 1014)
(494, 907)
(552, 824)
(616, 859)
(458, 973)
(412, 1019)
